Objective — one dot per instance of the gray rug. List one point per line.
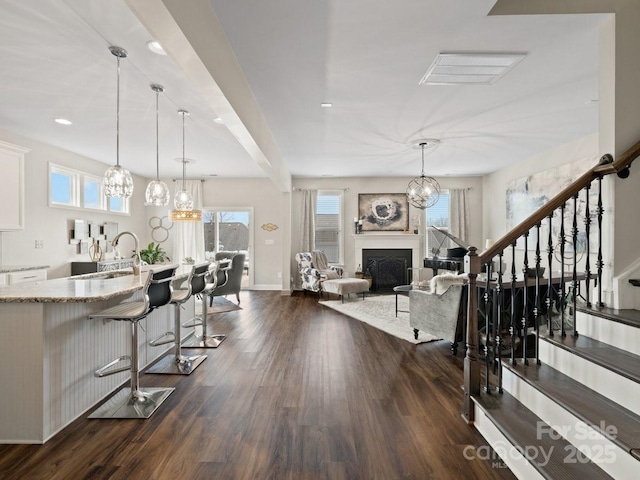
(379, 312)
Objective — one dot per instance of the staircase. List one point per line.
(576, 414)
(563, 401)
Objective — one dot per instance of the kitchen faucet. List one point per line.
(136, 253)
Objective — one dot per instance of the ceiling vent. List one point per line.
(469, 68)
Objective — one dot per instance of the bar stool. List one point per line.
(176, 363)
(135, 402)
(218, 275)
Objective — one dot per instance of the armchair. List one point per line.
(439, 310)
(314, 268)
(229, 280)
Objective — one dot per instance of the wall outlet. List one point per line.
(39, 243)
(269, 241)
(279, 275)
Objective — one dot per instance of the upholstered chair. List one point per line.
(229, 279)
(314, 268)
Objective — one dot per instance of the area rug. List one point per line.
(380, 312)
(220, 305)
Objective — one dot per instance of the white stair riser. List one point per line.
(511, 456)
(612, 333)
(613, 386)
(600, 449)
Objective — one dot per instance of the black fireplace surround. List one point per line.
(387, 267)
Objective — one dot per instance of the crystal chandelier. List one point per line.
(423, 192)
(157, 193)
(183, 201)
(117, 181)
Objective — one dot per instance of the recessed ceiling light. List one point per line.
(213, 174)
(155, 47)
(62, 121)
(592, 101)
(185, 160)
(326, 105)
(218, 120)
(470, 68)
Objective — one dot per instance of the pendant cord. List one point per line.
(157, 140)
(422, 173)
(184, 163)
(118, 114)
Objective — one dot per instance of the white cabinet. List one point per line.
(12, 191)
(26, 276)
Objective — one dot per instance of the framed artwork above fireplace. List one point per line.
(383, 212)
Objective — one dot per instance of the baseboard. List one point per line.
(277, 286)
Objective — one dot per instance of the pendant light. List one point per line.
(183, 201)
(423, 192)
(157, 193)
(117, 181)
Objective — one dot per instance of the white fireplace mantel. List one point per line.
(389, 240)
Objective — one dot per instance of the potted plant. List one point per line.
(153, 254)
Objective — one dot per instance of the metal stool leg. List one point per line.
(175, 363)
(205, 341)
(133, 402)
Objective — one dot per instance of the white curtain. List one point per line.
(459, 213)
(189, 235)
(308, 220)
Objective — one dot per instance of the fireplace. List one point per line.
(387, 266)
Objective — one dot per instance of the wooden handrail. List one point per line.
(606, 166)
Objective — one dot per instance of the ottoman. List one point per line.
(345, 286)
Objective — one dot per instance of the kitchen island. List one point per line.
(49, 349)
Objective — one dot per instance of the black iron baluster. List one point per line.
(600, 263)
(536, 308)
(561, 291)
(525, 298)
(587, 232)
(549, 301)
(498, 340)
(574, 274)
(488, 328)
(513, 322)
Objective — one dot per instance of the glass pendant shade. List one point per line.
(423, 191)
(183, 201)
(157, 192)
(117, 181)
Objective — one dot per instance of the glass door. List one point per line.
(229, 230)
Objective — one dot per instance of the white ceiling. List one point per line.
(364, 57)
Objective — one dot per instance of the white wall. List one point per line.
(494, 185)
(377, 185)
(52, 224)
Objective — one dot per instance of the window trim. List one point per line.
(74, 194)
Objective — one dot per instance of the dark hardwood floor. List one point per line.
(296, 391)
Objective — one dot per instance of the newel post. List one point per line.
(471, 363)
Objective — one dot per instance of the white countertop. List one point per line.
(21, 268)
(92, 287)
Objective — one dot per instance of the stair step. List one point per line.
(519, 425)
(592, 408)
(629, 316)
(607, 356)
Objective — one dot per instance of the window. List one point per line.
(328, 233)
(118, 205)
(63, 186)
(93, 193)
(66, 190)
(438, 216)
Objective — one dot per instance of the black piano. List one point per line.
(454, 250)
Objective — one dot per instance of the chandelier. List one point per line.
(423, 191)
(117, 181)
(183, 201)
(157, 193)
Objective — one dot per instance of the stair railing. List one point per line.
(518, 299)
